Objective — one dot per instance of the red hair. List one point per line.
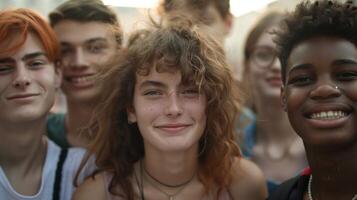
(21, 21)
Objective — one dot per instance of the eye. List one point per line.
(4, 68)
(190, 92)
(96, 48)
(346, 76)
(36, 64)
(152, 93)
(300, 80)
(66, 50)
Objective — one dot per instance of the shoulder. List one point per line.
(293, 188)
(248, 181)
(93, 188)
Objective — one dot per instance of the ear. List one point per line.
(131, 115)
(283, 98)
(58, 77)
(229, 23)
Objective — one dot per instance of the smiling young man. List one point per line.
(90, 35)
(318, 52)
(31, 166)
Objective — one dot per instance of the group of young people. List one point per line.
(157, 118)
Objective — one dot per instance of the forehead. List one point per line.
(70, 31)
(266, 37)
(31, 45)
(322, 49)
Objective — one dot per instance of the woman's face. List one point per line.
(320, 91)
(264, 69)
(171, 116)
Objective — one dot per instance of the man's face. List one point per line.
(28, 82)
(85, 46)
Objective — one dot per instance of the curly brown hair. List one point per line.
(201, 61)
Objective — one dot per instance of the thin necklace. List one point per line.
(170, 196)
(309, 193)
(165, 184)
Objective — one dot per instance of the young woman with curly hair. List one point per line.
(166, 128)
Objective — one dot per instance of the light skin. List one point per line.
(278, 150)
(171, 117)
(85, 46)
(28, 82)
(325, 116)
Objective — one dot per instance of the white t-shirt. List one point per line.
(70, 166)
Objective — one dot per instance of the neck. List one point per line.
(334, 173)
(77, 121)
(171, 168)
(22, 147)
(273, 125)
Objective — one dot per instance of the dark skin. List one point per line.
(324, 116)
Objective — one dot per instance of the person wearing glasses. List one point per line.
(270, 142)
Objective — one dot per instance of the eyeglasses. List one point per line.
(263, 56)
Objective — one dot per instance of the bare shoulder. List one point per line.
(248, 181)
(93, 188)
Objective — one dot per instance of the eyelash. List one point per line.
(300, 80)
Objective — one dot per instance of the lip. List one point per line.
(327, 123)
(172, 128)
(275, 81)
(25, 96)
(80, 81)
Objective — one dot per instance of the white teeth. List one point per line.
(329, 115)
(79, 79)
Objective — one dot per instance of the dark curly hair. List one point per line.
(312, 19)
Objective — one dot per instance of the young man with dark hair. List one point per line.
(89, 34)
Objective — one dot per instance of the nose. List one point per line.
(173, 108)
(325, 90)
(78, 59)
(22, 78)
(276, 66)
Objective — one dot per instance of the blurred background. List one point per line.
(133, 14)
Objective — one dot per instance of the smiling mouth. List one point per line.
(80, 79)
(21, 96)
(328, 115)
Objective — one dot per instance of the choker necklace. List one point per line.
(168, 185)
(309, 193)
(170, 196)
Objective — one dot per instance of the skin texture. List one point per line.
(321, 78)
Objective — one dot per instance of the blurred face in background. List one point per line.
(85, 46)
(264, 69)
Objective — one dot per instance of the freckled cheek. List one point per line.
(148, 111)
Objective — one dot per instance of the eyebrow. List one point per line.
(344, 62)
(148, 83)
(299, 67)
(25, 57)
(92, 40)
